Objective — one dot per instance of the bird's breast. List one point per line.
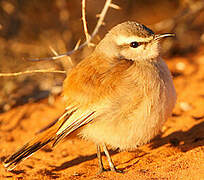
(143, 101)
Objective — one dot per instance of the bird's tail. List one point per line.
(28, 149)
(65, 125)
(35, 144)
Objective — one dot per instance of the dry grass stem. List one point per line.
(32, 71)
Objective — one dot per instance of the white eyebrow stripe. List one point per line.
(127, 40)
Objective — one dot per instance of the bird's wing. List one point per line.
(87, 92)
(76, 119)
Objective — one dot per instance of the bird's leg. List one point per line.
(100, 162)
(112, 167)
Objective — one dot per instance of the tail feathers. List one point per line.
(58, 131)
(35, 144)
(28, 149)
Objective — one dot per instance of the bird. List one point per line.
(117, 97)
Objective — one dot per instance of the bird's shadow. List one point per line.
(79, 160)
(184, 140)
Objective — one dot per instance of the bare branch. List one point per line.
(83, 11)
(101, 18)
(53, 51)
(95, 31)
(68, 57)
(32, 71)
(115, 6)
(77, 44)
(77, 47)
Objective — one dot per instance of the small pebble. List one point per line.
(180, 66)
(185, 106)
(64, 153)
(6, 107)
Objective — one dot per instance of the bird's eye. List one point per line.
(134, 44)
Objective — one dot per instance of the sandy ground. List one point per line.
(178, 153)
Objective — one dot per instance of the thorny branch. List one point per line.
(95, 31)
(77, 47)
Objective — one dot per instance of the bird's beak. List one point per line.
(160, 36)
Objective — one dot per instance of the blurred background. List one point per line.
(30, 29)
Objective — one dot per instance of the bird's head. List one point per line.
(131, 41)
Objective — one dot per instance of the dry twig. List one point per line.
(77, 44)
(69, 59)
(32, 71)
(83, 11)
(77, 47)
(53, 50)
(95, 31)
